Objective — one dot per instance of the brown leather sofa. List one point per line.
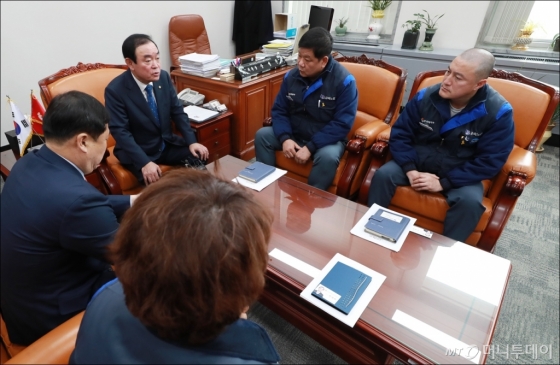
(533, 104)
(53, 348)
(380, 92)
(187, 34)
(92, 78)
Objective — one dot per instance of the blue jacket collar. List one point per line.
(473, 110)
(318, 83)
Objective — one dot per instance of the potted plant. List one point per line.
(340, 29)
(555, 43)
(522, 41)
(378, 7)
(430, 29)
(412, 33)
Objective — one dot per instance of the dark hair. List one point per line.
(319, 40)
(74, 112)
(132, 42)
(191, 254)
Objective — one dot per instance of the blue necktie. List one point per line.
(153, 108)
(152, 102)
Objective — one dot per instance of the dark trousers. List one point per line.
(465, 203)
(171, 155)
(325, 160)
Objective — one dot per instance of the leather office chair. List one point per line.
(8, 349)
(187, 34)
(53, 348)
(533, 104)
(92, 79)
(380, 92)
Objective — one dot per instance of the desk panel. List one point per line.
(250, 102)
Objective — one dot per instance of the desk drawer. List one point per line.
(213, 130)
(218, 153)
(217, 142)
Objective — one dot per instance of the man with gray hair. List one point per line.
(449, 138)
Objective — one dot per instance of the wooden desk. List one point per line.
(439, 295)
(250, 103)
(215, 134)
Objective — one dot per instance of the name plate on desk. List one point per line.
(246, 71)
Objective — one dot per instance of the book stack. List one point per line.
(284, 49)
(203, 65)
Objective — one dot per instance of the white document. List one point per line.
(359, 231)
(263, 183)
(351, 318)
(198, 58)
(198, 114)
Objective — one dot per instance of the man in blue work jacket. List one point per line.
(313, 112)
(449, 138)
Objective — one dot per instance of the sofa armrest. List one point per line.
(384, 135)
(519, 170)
(355, 149)
(53, 348)
(369, 132)
(379, 155)
(108, 176)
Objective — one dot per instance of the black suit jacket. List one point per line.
(54, 232)
(136, 132)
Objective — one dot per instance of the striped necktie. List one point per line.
(152, 102)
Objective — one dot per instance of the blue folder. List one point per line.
(381, 226)
(256, 171)
(342, 287)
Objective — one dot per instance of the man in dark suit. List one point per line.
(142, 102)
(55, 226)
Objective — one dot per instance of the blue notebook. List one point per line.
(342, 287)
(386, 225)
(256, 171)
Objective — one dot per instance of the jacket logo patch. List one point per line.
(426, 124)
(324, 97)
(472, 133)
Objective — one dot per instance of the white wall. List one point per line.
(457, 29)
(40, 38)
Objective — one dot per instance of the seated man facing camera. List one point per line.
(449, 138)
(55, 225)
(142, 102)
(187, 273)
(313, 112)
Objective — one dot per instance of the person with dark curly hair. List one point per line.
(190, 258)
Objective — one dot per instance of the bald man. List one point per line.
(449, 138)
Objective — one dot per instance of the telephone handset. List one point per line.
(190, 97)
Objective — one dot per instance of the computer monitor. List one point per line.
(320, 16)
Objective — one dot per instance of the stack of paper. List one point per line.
(280, 34)
(284, 49)
(205, 65)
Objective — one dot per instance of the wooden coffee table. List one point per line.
(439, 304)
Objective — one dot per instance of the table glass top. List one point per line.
(441, 298)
